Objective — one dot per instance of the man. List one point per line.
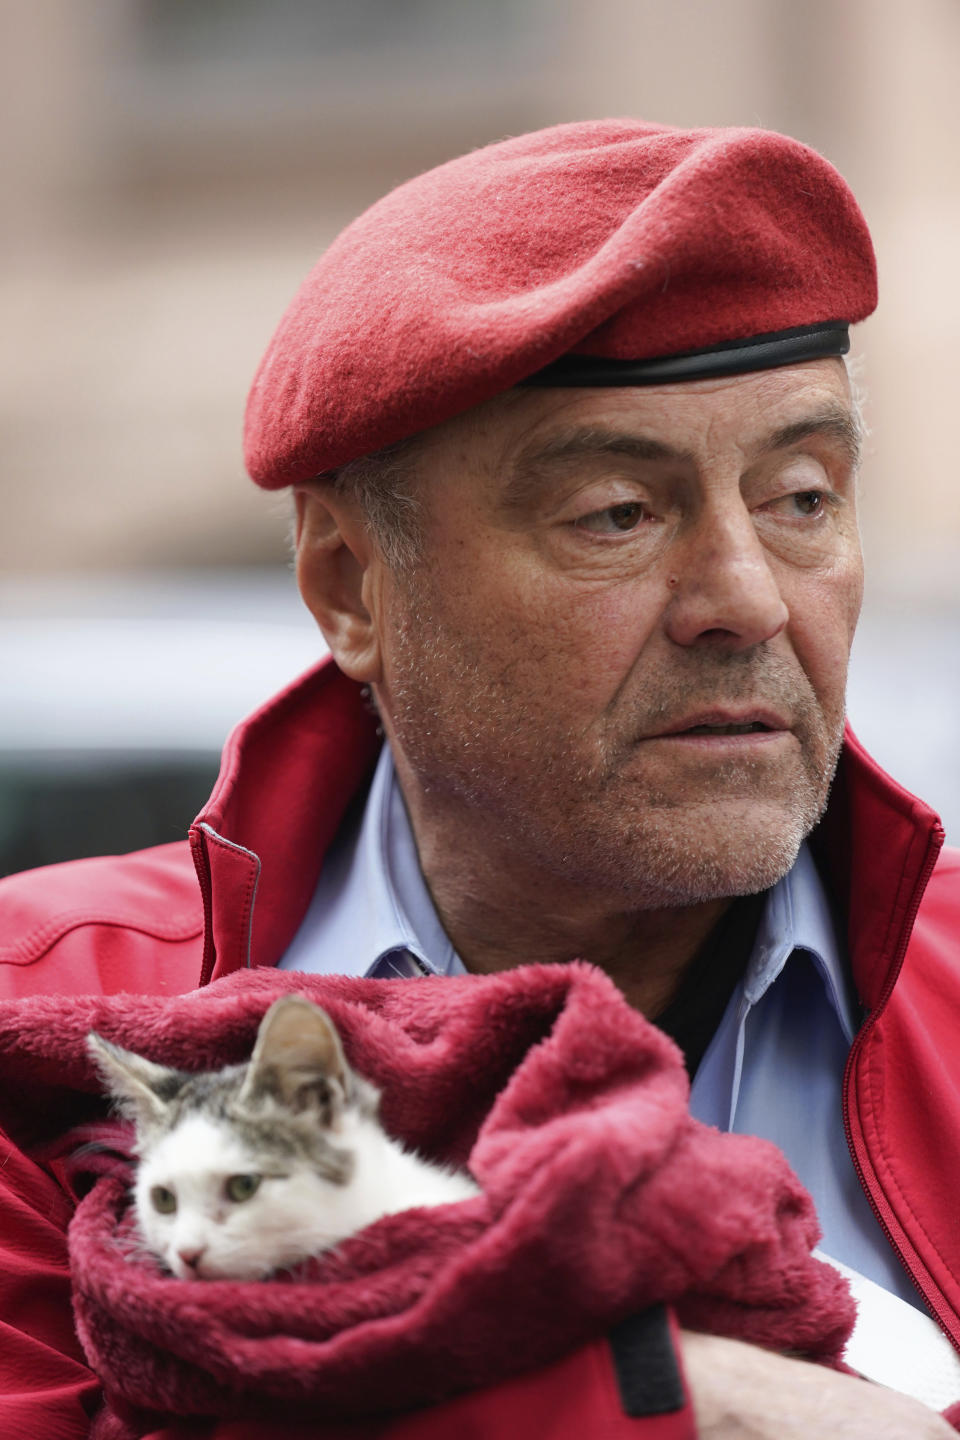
(575, 460)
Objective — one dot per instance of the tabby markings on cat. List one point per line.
(253, 1168)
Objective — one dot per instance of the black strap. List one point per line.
(648, 1375)
(731, 357)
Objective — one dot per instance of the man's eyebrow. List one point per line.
(569, 448)
(834, 422)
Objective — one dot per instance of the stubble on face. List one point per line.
(493, 746)
(521, 694)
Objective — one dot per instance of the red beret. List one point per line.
(555, 258)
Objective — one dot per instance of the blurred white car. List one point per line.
(118, 693)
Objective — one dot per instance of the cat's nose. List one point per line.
(191, 1255)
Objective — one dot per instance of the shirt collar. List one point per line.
(798, 916)
(407, 915)
(371, 911)
(373, 901)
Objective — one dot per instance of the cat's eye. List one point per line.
(241, 1187)
(163, 1200)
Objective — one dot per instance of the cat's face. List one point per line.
(246, 1170)
(213, 1207)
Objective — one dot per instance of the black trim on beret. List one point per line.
(732, 357)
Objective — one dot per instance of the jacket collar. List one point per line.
(877, 844)
(287, 775)
(290, 771)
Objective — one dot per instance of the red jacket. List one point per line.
(138, 923)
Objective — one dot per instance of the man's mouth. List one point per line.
(750, 728)
(723, 722)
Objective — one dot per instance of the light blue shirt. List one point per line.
(774, 1067)
(371, 912)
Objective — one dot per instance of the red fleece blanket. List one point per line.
(600, 1196)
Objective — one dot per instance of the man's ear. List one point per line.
(340, 573)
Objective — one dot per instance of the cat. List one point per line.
(251, 1169)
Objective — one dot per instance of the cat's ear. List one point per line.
(141, 1089)
(297, 1057)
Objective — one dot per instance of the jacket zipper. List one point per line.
(206, 897)
(944, 1319)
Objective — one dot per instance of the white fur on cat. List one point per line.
(295, 1127)
(209, 1237)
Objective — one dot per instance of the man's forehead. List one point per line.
(524, 431)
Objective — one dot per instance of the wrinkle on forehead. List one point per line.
(521, 408)
(524, 431)
(573, 447)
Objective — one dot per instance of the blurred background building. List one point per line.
(171, 170)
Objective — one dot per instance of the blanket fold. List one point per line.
(601, 1196)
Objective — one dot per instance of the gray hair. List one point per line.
(383, 486)
(856, 375)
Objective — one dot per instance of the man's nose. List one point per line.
(723, 589)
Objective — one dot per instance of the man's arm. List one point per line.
(48, 1392)
(46, 1388)
(741, 1392)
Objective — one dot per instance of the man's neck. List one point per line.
(646, 954)
(501, 911)
(650, 965)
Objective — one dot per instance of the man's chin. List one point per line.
(686, 853)
(730, 848)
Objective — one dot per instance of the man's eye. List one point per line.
(810, 502)
(614, 519)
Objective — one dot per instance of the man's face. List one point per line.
(621, 662)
